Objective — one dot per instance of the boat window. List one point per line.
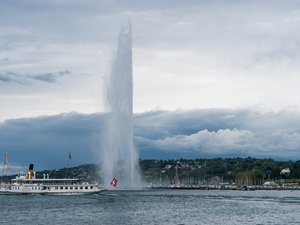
(76, 188)
(81, 187)
(86, 187)
(66, 188)
(91, 187)
(61, 187)
(71, 187)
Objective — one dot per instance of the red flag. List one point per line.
(114, 182)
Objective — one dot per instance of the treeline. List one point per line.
(243, 170)
(215, 170)
(87, 172)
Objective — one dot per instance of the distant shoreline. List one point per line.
(242, 188)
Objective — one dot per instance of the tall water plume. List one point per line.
(119, 156)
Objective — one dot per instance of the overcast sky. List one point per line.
(227, 55)
(54, 55)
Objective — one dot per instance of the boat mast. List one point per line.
(177, 182)
(68, 161)
(5, 161)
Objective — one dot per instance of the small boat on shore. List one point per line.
(29, 184)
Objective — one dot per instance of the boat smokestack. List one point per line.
(30, 172)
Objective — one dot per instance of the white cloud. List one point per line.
(221, 132)
(219, 142)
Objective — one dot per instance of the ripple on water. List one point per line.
(155, 207)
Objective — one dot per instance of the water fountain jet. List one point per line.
(119, 156)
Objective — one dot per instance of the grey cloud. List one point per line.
(222, 37)
(26, 78)
(5, 78)
(50, 77)
(188, 122)
(220, 132)
(11, 77)
(158, 134)
(234, 142)
(46, 141)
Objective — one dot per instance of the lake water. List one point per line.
(155, 207)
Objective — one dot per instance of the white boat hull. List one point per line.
(47, 192)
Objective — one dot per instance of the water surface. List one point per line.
(155, 207)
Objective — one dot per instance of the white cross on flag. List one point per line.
(114, 182)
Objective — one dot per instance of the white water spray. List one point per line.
(119, 158)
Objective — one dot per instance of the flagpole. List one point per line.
(67, 167)
(5, 160)
(3, 166)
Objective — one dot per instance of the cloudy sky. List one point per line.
(222, 76)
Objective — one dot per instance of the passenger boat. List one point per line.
(29, 184)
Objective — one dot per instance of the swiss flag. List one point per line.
(114, 182)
